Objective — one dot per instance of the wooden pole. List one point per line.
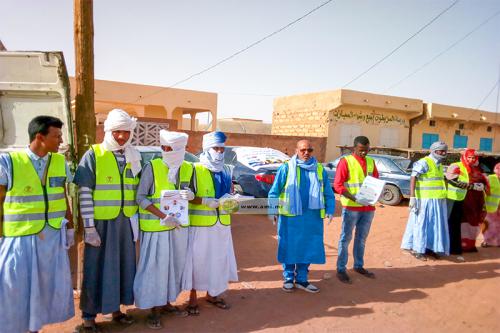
(85, 120)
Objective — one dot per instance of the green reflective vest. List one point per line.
(457, 193)
(356, 178)
(113, 191)
(284, 200)
(492, 200)
(431, 185)
(147, 220)
(201, 215)
(29, 204)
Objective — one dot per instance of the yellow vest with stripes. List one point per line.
(492, 200)
(201, 215)
(114, 191)
(431, 185)
(285, 201)
(356, 178)
(147, 220)
(457, 193)
(29, 204)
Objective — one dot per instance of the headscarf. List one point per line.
(211, 159)
(316, 199)
(438, 145)
(173, 159)
(119, 120)
(470, 166)
(496, 169)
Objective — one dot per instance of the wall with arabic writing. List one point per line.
(384, 128)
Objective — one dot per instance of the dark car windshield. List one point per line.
(403, 163)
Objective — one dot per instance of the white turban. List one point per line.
(176, 140)
(119, 120)
(213, 139)
(173, 159)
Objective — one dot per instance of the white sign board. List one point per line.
(172, 205)
(256, 158)
(370, 191)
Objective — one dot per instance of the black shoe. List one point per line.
(344, 278)
(420, 256)
(364, 272)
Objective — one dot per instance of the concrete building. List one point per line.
(341, 115)
(388, 121)
(153, 102)
(243, 125)
(459, 127)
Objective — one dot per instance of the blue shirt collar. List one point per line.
(35, 157)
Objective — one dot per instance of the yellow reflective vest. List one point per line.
(30, 204)
(114, 191)
(147, 220)
(284, 199)
(457, 193)
(431, 185)
(493, 199)
(356, 178)
(201, 215)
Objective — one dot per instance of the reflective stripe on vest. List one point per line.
(29, 205)
(283, 208)
(492, 200)
(114, 191)
(148, 221)
(431, 185)
(356, 178)
(201, 215)
(457, 193)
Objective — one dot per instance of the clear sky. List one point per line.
(161, 42)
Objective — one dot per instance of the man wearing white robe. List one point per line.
(211, 262)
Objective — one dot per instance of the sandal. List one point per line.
(153, 321)
(123, 318)
(219, 302)
(193, 310)
(87, 329)
(173, 310)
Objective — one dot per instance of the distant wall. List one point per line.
(282, 143)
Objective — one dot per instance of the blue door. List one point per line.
(460, 141)
(428, 139)
(486, 144)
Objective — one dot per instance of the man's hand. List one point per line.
(70, 237)
(170, 221)
(413, 206)
(478, 187)
(92, 237)
(329, 217)
(210, 202)
(186, 194)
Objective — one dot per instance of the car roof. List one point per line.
(381, 156)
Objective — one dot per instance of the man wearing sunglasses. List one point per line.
(350, 174)
(306, 198)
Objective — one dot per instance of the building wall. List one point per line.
(382, 127)
(446, 131)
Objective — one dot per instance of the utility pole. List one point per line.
(84, 75)
(84, 106)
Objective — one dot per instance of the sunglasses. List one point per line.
(309, 150)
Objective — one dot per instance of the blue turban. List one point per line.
(213, 139)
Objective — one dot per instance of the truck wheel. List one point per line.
(391, 195)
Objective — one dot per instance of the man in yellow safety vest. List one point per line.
(35, 232)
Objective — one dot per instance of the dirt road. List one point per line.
(407, 296)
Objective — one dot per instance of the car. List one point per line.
(151, 152)
(394, 170)
(253, 169)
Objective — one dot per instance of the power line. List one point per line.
(240, 51)
(483, 100)
(401, 45)
(443, 52)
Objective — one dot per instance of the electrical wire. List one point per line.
(400, 45)
(239, 52)
(442, 52)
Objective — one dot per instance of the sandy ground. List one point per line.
(407, 296)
